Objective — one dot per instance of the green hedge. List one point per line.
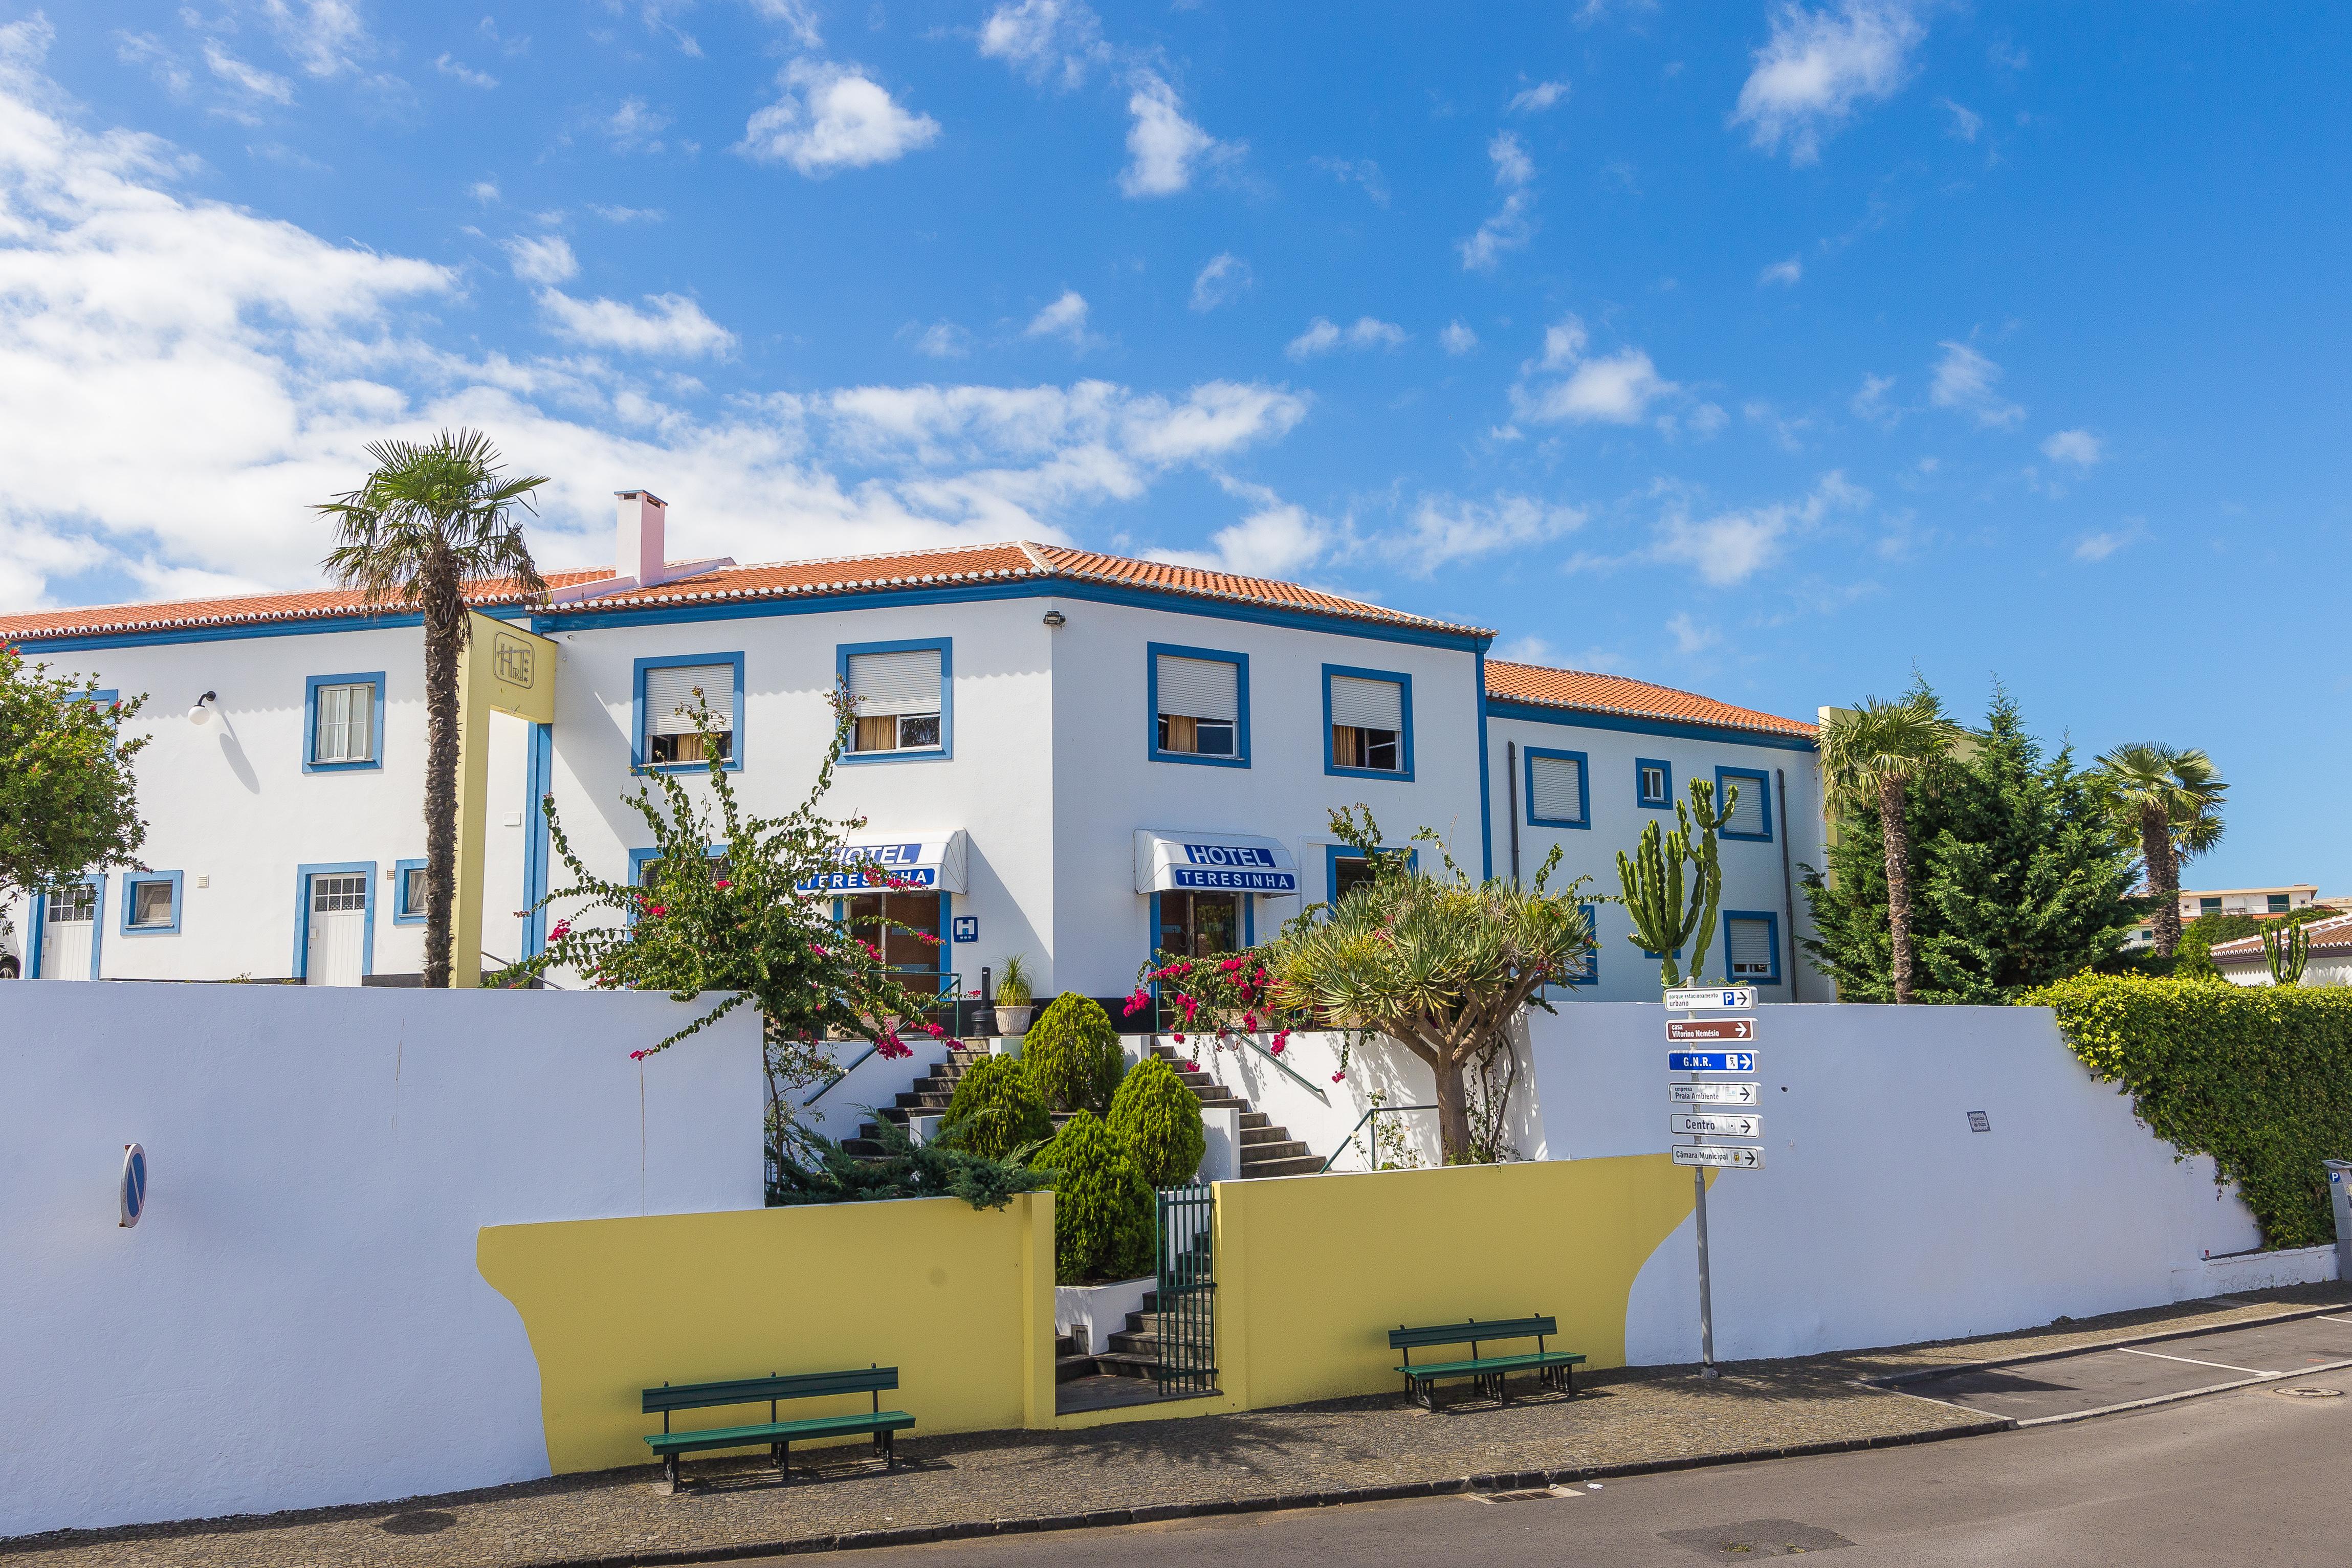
(2257, 1077)
(1158, 1119)
(995, 1110)
(1103, 1208)
(1072, 1054)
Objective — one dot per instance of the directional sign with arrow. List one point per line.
(1730, 1157)
(1715, 1093)
(1725, 999)
(1715, 1124)
(1697, 1031)
(1711, 1062)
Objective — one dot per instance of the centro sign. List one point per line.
(1240, 866)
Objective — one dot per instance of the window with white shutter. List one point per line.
(1653, 783)
(1368, 723)
(900, 696)
(342, 723)
(1751, 812)
(1198, 704)
(673, 695)
(1749, 946)
(1556, 795)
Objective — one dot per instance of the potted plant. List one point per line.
(1013, 997)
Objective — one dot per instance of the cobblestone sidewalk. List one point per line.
(1644, 1419)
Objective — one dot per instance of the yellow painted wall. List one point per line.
(1313, 1272)
(960, 1300)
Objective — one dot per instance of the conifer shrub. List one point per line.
(1103, 1219)
(1158, 1118)
(1071, 1053)
(996, 1110)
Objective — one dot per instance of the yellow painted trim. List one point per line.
(501, 669)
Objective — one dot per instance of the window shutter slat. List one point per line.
(669, 697)
(1558, 790)
(1367, 704)
(1199, 688)
(907, 681)
(1747, 813)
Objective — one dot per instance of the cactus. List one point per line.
(2287, 951)
(1651, 878)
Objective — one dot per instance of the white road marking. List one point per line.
(2224, 1365)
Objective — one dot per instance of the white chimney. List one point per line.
(638, 552)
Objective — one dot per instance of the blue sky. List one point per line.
(1762, 350)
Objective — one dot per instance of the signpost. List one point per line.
(1715, 1093)
(1725, 1157)
(1711, 998)
(1714, 1124)
(1711, 1062)
(1694, 1031)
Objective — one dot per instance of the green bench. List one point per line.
(774, 1434)
(1553, 1368)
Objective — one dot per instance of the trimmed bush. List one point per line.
(1159, 1119)
(996, 1109)
(1071, 1053)
(2257, 1077)
(1103, 1218)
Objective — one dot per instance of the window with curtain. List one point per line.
(344, 728)
(897, 700)
(672, 693)
(150, 903)
(1200, 705)
(1367, 724)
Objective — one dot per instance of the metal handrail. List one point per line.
(836, 1077)
(1292, 1073)
(1358, 1127)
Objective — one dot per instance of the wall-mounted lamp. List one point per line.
(201, 710)
(1056, 618)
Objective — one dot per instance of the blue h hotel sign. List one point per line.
(1237, 867)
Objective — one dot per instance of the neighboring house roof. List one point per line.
(1582, 691)
(841, 575)
(2327, 937)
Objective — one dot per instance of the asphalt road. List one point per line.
(2251, 1477)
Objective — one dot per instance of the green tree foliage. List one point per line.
(2259, 1077)
(828, 1173)
(996, 1111)
(1072, 1054)
(1103, 1207)
(2019, 881)
(2193, 959)
(1158, 1118)
(1870, 758)
(2168, 802)
(66, 804)
(1650, 879)
(433, 517)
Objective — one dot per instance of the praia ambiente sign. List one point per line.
(1235, 867)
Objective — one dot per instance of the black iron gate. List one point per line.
(1187, 1308)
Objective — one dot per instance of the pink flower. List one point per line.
(563, 929)
(637, 1055)
(655, 911)
(818, 950)
(1336, 1076)
(891, 1047)
(1249, 1022)
(723, 881)
(1135, 1004)
(1177, 1038)
(1191, 1067)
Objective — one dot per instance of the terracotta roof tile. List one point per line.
(306, 604)
(2330, 937)
(1194, 582)
(1583, 692)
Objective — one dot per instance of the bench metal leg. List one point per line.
(670, 1471)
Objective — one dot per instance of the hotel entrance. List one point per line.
(1196, 925)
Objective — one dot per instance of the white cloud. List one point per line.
(1538, 97)
(1689, 636)
(1323, 337)
(833, 117)
(627, 214)
(1443, 529)
(669, 324)
(484, 191)
(1707, 418)
(797, 17)
(1277, 538)
(1513, 224)
(1163, 147)
(1066, 318)
(2098, 547)
(1457, 339)
(940, 340)
(1965, 381)
(1224, 279)
(325, 37)
(1731, 547)
(449, 66)
(1965, 122)
(1614, 390)
(251, 80)
(1870, 404)
(148, 50)
(1790, 272)
(636, 128)
(1361, 171)
(1056, 40)
(1818, 65)
(2079, 447)
(543, 260)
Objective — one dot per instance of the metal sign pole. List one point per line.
(1705, 1290)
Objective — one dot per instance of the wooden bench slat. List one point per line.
(760, 1390)
(1494, 1364)
(1463, 1334)
(768, 1432)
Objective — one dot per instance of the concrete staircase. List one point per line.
(1267, 1150)
(1134, 1350)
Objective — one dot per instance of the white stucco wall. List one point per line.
(297, 1321)
(1880, 1217)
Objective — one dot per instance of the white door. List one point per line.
(337, 935)
(68, 924)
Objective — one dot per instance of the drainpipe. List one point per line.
(1511, 780)
(1788, 882)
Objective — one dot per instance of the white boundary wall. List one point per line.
(1880, 1217)
(297, 1321)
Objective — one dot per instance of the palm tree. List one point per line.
(431, 517)
(1868, 755)
(2170, 800)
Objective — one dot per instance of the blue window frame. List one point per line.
(1335, 854)
(97, 697)
(407, 910)
(1752, 927)
(1590, 976)
(337, 739)
(41, 902)
(1555, 787)
(945, 647)
(303, 875)
(640, 750)
(1653, 783)
(135, 904)
(1402, 740)
(1753, 785)
(1238, 753)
